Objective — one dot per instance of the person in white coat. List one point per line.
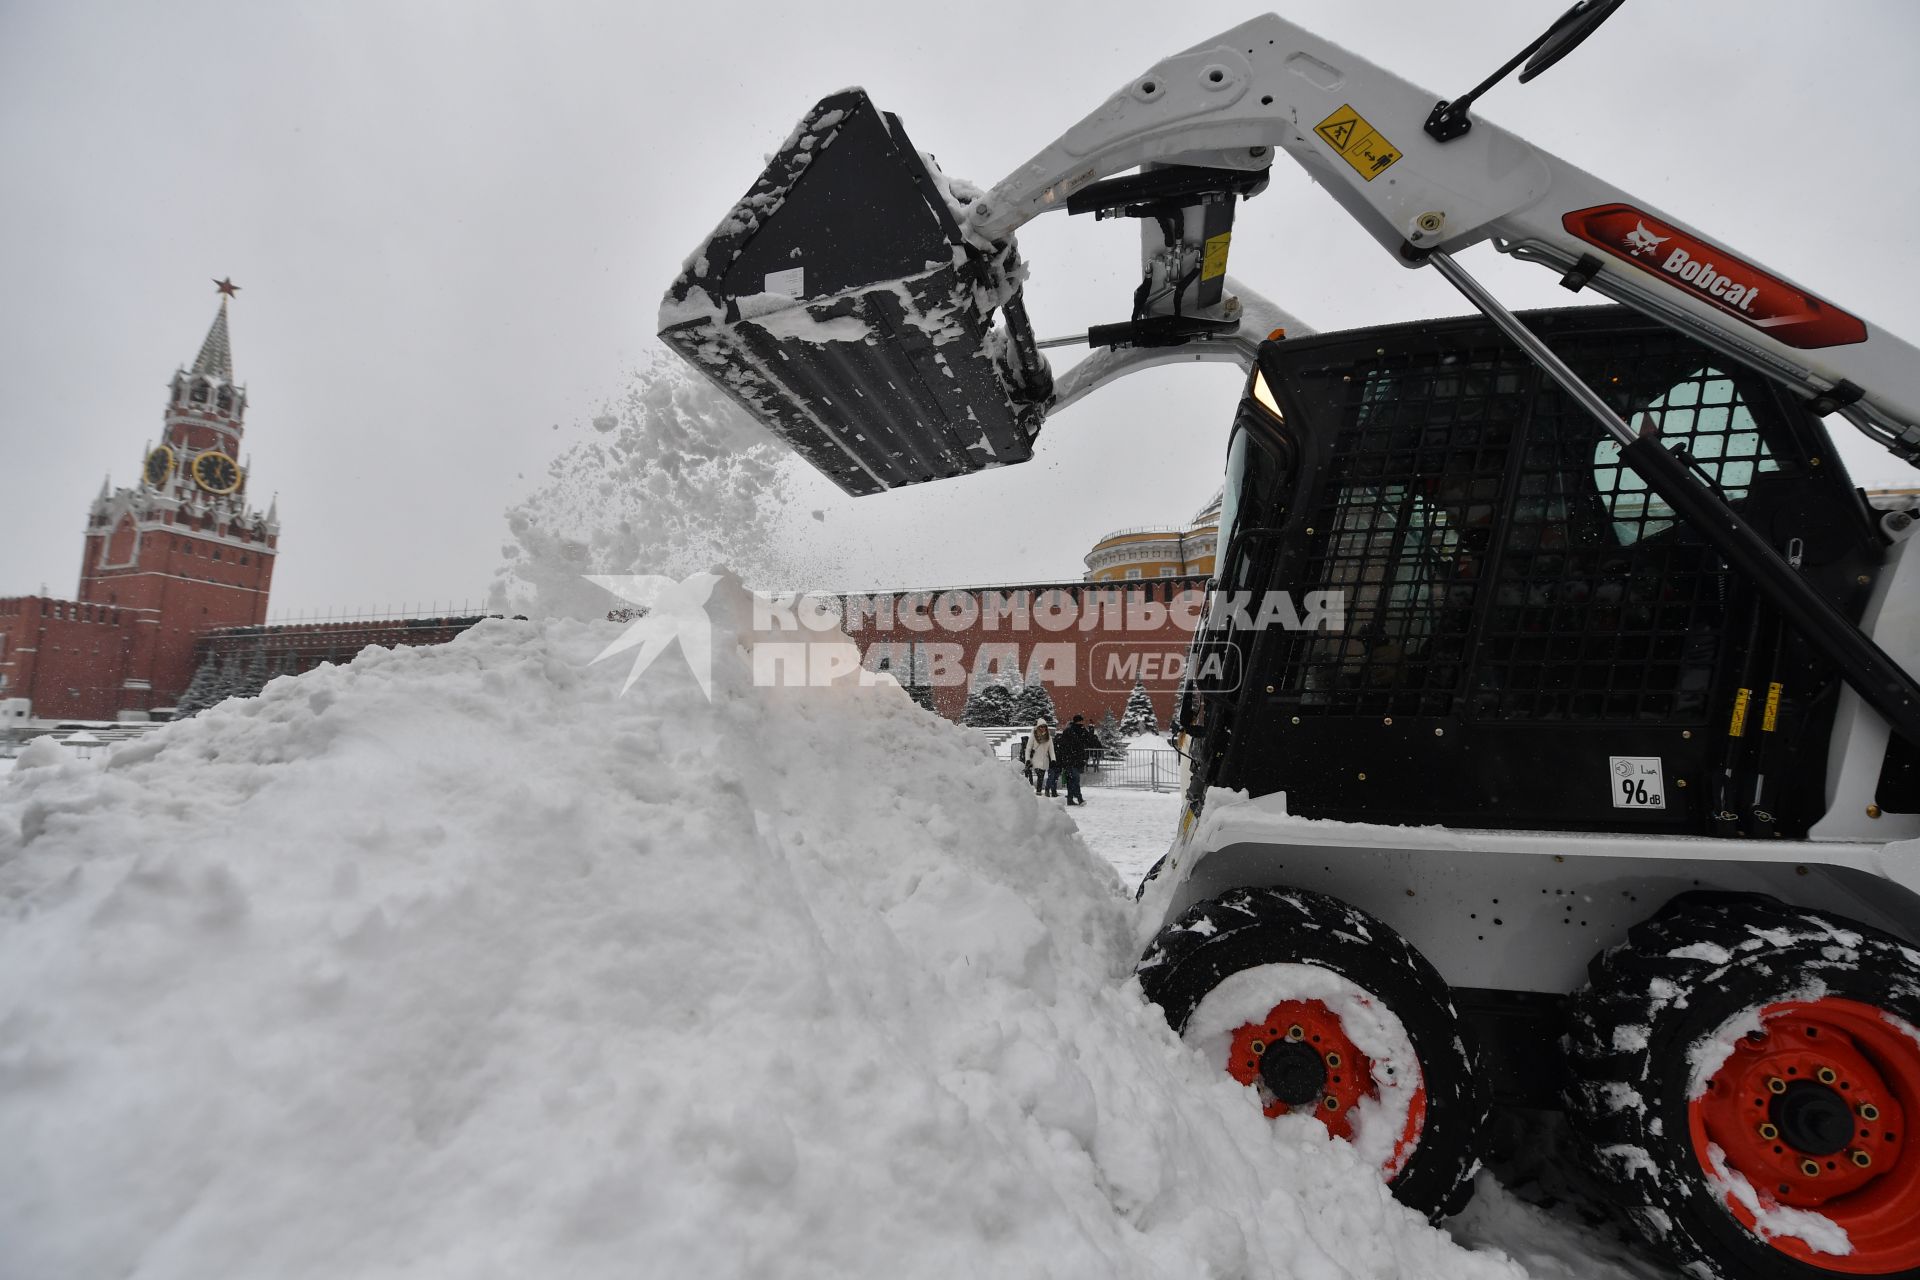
(1046, 773)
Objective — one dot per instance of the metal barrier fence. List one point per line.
(1137, 770)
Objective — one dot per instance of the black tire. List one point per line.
(1251, 927)
(1680, 978)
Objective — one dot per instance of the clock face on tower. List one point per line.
(159, 465)
(216, 472)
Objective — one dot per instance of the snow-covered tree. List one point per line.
(230, 681)
(1033, 703)
(202, 691)
(922, 694)
(246, 678)
(1108, 731)
(1139, 717)
(990, 705)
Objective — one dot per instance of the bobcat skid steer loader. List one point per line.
(1606, 794)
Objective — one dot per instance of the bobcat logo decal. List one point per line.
(1641, 240)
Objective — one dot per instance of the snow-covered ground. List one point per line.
(1130, 829)
(453, 962)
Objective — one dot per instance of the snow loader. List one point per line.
(1604, 796)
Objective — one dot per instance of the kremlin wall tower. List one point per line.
(175, 572)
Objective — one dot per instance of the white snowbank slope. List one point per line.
(452, 962)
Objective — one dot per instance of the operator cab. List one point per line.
(1486, 619)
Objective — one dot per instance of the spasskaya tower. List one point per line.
(183, 550)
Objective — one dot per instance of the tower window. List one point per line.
(199, 393)
(225, 399)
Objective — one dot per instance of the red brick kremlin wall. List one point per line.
(68, 657)
(303, 646)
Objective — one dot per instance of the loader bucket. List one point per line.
(841, 304)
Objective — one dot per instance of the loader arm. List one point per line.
(1360, 132)
(1382, 147)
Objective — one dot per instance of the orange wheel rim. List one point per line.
(1300, 1057)
(1811, 1111)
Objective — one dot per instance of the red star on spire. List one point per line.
(227, 287)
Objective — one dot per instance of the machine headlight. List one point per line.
(1263, 394)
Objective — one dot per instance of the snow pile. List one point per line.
(676, 478)
(451, 962)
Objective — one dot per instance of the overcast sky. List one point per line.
(452, 224)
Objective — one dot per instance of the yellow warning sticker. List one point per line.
(1771, 712)
(1214, 263)
(1738, 726)
(1357, 142)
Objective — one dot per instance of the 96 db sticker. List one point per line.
(1637, 782)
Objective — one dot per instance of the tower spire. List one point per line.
(216, 353)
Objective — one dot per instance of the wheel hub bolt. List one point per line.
(1810, 1168)
(1756, 1037)
(1332, 1103)
(1769, 1132)
(1259, 1046)
(1869, 1112)
(1776, 1085)
(1333, 1059)
(1296, 1032)
(1862, 1159)
(1828, 1075)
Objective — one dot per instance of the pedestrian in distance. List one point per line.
(1075, 743)
(1046, 772)
(1020, 754)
